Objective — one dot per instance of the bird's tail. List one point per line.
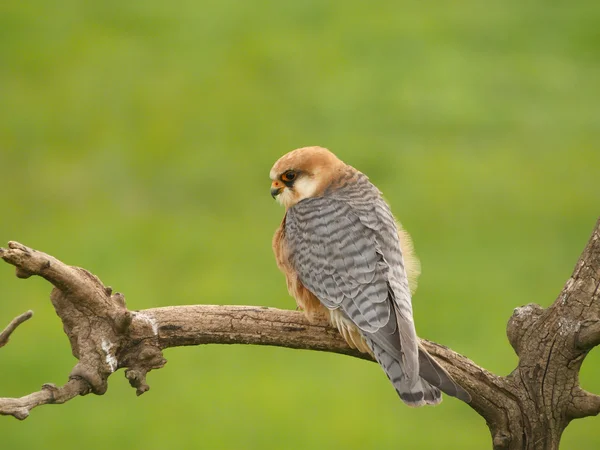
(436, 375)
(426, 389)
(413, 393)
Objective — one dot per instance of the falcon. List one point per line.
(346, 257)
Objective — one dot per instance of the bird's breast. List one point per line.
(305, 299)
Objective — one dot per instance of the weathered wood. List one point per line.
(528, 409)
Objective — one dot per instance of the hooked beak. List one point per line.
(276, 188)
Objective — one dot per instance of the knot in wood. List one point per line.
(501, 440)
(521, 321)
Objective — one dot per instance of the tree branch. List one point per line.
(50, 394)
(118, 338)
(12, 326)
(589, 334)
(584, 404)
(527, 409)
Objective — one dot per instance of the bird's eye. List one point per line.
(288, 176)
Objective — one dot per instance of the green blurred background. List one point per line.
(136, 140)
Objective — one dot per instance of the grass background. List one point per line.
(136, 140)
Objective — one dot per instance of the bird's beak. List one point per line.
(276, 188)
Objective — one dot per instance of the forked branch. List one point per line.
(520, 409)
(49, 394)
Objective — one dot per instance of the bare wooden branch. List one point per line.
(527, 409)
(50, 394)
(589, 334)
(12, 326)
(584, 404)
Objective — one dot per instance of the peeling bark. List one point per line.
(528, 409)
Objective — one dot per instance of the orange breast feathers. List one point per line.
(304, 298)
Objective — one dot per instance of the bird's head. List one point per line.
(303, 173)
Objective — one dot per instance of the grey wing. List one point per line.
(377, 215)
(432, 374)
(337, 259)
(347, 257)
(340, 255)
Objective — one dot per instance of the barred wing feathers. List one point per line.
(344, 247)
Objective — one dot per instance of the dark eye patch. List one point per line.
(289, 176)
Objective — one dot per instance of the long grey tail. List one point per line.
(436, 375)
(426, 389)
(413, 393)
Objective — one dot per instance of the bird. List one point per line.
(345, 257)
